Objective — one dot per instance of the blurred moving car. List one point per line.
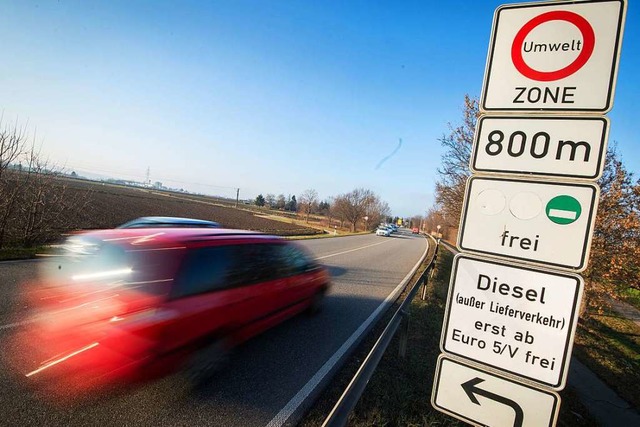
(383, 231)
(415, 230)
(135, 303)
(169, 221)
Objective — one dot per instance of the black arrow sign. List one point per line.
(470, 387)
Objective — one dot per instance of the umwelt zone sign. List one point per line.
(554, 56)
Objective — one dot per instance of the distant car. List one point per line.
(169, 221)
(383, 231)
(415, 230)
(126, 303)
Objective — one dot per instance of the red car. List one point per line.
(133, 303)
(415, 230)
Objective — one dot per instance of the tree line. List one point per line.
(360, 209)
(36, 206)
(614, 264)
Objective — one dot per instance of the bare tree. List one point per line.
(45, 203)
(354, 206)
(454, 172)
(435, 221)
(377, 212)
(308, 202)
(13, 138)
(35, 205)
(270, 200)
(417, 221)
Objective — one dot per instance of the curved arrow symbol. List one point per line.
(470, 387)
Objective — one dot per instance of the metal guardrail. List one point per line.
(448, 246)
(340, 412)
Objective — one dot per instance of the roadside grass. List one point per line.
(324, 236)
(610, 346)
(631, 296)
(399, 392)
(7, 254)
(293, 219)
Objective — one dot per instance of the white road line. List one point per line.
(353, 250)
(305, 391)
(15, 325)
(62, 359)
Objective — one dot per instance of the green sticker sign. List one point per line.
(563, 210)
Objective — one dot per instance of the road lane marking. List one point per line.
(281, 418)
(15, 325)
(62, 359)
(353, 250)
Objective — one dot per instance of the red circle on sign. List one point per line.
(588, 42)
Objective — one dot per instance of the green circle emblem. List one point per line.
(563, 210)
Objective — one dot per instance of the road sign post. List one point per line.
(514, 320)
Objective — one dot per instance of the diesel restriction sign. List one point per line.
(483, 398)
(541, 222)
(554, 56)
(518, 319)
(570, 147)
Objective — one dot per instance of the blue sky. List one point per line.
(268, 96)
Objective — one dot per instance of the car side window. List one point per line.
(205, 270)
(222, 267)
(296, 261)
(256, 263)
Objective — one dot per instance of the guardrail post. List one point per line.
(425, 281)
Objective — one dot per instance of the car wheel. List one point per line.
(316, 302)
(204, 362)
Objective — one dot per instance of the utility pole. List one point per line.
(237, 197)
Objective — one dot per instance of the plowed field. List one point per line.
(111, 205)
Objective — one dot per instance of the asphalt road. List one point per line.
(269, 380)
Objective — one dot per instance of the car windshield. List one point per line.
(90, 262)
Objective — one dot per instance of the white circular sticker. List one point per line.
(491, 202)
(525, 205)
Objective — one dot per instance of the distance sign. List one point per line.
(571, 147)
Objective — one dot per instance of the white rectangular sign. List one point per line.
(572, 147)
(482, 398)
(515, 318)
(554, 56)
(542, 222)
